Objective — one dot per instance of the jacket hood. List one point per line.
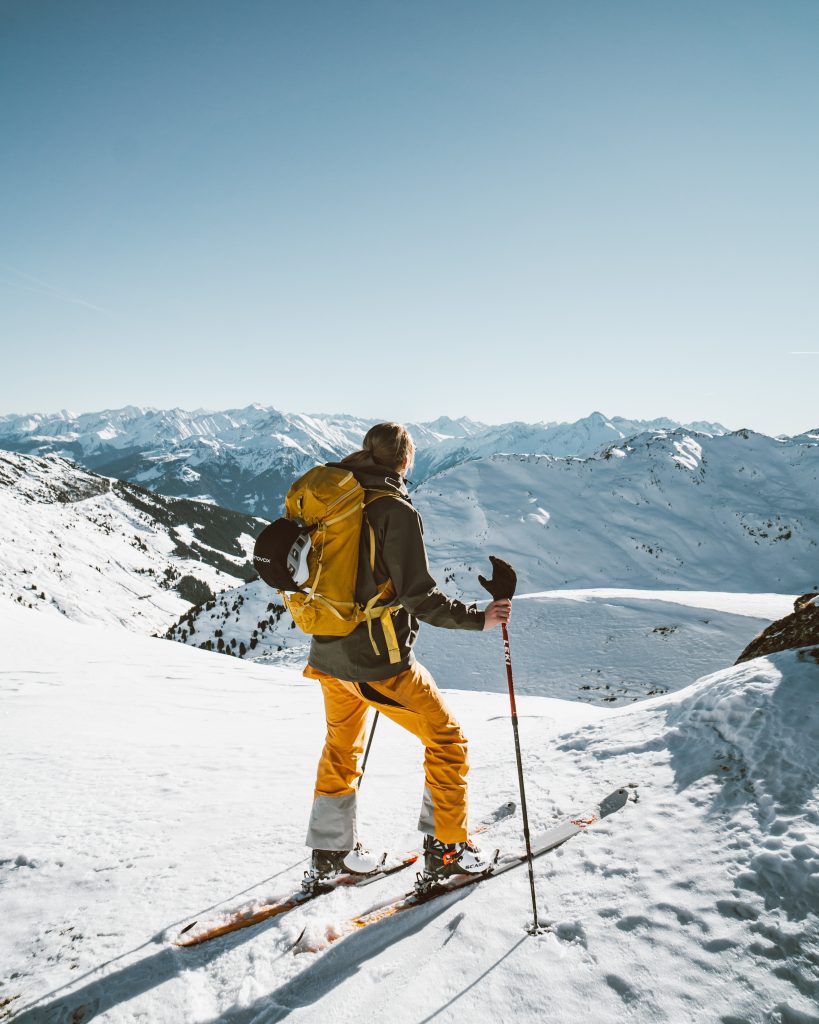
(374, 477)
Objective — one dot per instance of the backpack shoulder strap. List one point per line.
(370, 497)
(386, 591)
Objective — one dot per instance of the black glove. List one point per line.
(503, 582)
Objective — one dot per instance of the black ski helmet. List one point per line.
(281, 542)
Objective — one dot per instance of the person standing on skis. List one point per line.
(356, 674)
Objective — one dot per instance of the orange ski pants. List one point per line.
(412, 700)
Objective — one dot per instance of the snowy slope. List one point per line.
(738, 512)
(604, 647)
(608, 647)
(97, 550)
(184, 790)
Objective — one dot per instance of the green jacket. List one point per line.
(401, 557)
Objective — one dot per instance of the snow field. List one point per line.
(607, 647)
(97, 559)
(739, 513)
(152, 783)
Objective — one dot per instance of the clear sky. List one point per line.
(509, 210)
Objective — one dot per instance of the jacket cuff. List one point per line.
(476, 620)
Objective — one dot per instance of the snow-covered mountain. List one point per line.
(181, 790)
(669, 510)
(583, 438)
(99, 550)
(242, 459)
(246, 458)
(737, 512)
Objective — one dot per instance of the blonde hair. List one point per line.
(388, 444)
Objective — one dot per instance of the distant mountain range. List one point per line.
(663, 508)
(245, 459)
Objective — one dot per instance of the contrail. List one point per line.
(804, 353)
(43, 288)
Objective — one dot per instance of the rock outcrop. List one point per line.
(799, 629)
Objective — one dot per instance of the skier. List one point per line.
(356, 674)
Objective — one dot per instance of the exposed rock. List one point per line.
(799, 629)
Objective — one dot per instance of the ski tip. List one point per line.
(619, 798)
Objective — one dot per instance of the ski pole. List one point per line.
(508, 657)
(369, 744)
(502, 588)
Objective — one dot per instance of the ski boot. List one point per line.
(444, 859)
(328, 864)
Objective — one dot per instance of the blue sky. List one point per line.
(506, 210)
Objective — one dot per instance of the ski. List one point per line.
(246, 918)
(541, 844)
(255, 915)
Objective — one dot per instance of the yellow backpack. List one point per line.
(333, 502)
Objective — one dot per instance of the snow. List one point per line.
(73, 546)
(689, 453)
(540, 515)
(244, 456)
(603, 645)
(149, 783)
(742, 515)
(182, 786)
(185, 533)
(758, 606)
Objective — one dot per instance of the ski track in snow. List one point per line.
(152, 783)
